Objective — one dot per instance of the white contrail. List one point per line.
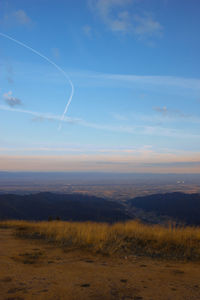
(52, 63)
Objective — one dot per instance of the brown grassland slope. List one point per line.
(65, 260)
(130, 237)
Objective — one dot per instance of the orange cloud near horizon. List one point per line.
(146, 161)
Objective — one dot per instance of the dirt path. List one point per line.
(34, 270)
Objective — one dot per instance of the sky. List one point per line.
(134, 67)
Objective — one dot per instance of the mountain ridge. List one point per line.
(176, 206)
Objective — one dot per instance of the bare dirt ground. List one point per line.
(31, 269)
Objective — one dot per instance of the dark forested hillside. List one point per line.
(73, 207)
(184, 208)
(179, 206)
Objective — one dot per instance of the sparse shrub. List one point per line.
(126, 238)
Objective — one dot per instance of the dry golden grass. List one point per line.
(128, 238)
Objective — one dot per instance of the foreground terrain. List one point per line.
(35, 269)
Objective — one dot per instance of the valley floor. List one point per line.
(32, 269)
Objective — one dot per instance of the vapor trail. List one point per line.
(53, 64)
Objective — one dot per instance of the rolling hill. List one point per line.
(74, 207)
(182, 207)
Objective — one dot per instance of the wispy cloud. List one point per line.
(171, 112)
(10, 100)
(134, 130)
(162, 114)
(180, 82)
(72, 149)
(9, 76)
(55, 52)
(37, 116)
(21, 17)
(87, 30)
(119, 117)
(144, 81)
(116, 15)
(17, 17)
(147, 26)
(41, 118)
(91, 78)
(115, 21)
(143, 161)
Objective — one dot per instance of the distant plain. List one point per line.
(109, 185)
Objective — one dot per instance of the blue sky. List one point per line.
(134, 65)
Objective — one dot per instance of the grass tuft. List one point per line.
(127, 238)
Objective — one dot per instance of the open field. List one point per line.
(32, 269)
